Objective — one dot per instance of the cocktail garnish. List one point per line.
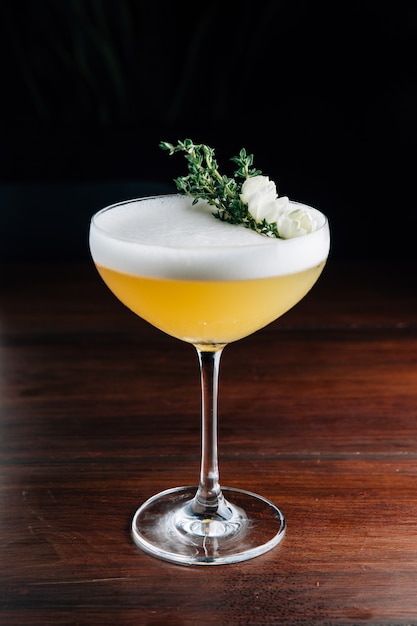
(249, 198)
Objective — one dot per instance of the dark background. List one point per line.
(323, 93)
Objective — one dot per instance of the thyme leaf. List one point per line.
(204, 181)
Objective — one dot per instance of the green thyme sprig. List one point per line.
(205, 182)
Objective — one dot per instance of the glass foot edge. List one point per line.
(259, 527)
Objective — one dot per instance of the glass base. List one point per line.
(166, 527)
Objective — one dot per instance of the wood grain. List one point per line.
(318, 412)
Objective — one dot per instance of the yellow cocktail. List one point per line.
(210, 312)
(197, 278)
(209, 283)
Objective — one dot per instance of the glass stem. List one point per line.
(209, 498)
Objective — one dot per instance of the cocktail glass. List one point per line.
(208, 283)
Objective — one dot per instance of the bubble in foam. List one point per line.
(169, 237)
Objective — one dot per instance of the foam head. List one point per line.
(169, 237)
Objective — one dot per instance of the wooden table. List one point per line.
(318, 412)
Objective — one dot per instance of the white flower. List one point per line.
(295, 223)
(260, 194)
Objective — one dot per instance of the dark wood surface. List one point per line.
(318, 412)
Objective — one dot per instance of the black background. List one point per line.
(323, 93)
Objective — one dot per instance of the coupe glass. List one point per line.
(208, 283)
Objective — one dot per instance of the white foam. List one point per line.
(169, 237)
